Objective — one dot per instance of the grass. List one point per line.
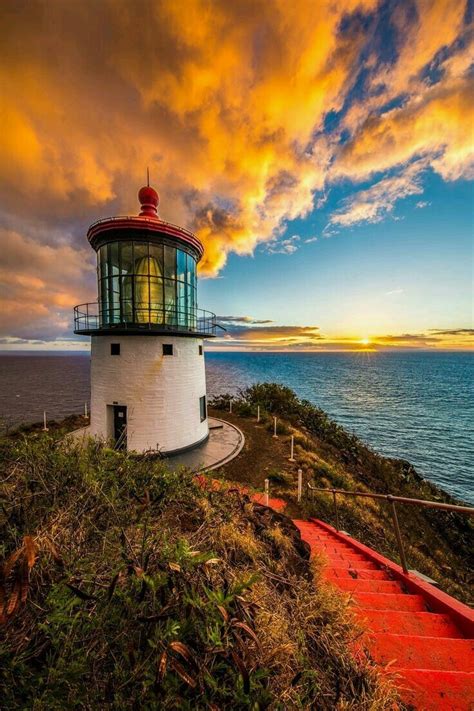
(125, 585)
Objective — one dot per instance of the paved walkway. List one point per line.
(224, 443)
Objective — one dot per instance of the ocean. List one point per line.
(413, 405)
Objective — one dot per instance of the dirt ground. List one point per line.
(261, 457)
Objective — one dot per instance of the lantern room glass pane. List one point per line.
(181, 265)
(190, 268)
(156, 300)
(114, 300)
(170, 302)
(182, 313)
(126, 257)
(113, 259)
(140, 258)
(103, 262)
(156, 260)
(169, 262)
(142, 299)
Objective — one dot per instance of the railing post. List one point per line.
(397, 533)
(336, 512)
(300, 484)
(258, 413)
(275, 428)
(267, 486)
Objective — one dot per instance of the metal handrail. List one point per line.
(392, 500)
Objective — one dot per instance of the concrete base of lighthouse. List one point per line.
(158, 395)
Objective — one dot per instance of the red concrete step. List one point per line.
(423, 624)
(348, 563)
(350, 557)
(350, 574)
(412, 651)
(437, 690)
(329, 545)
(323, 539)
(364, 585)
(389, 601)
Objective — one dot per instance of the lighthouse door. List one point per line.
(120, 425)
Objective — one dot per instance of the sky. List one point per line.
(321, 150)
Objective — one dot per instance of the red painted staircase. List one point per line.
(423, 636)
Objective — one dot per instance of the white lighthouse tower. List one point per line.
(148, 384)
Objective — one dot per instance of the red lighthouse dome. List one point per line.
(149, 201)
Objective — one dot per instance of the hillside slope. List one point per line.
(125, 585)
(439, 544)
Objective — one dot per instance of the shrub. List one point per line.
(280, 477)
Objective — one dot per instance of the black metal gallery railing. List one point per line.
(143, 317)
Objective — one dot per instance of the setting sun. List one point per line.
(365, 341)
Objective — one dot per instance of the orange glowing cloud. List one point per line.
(222, 99)
(39, 285)
(438, 124)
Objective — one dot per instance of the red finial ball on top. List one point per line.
(149, 200)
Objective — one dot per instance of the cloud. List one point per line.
(273, 337)
(423, 29)
(310, 239)
(422, 203)
(284, 246)
(453, 331)
(455, 338)
(407, 339)
(40, 284)
(435, 124)
(394, 292)
(378, 201)
(242, 319)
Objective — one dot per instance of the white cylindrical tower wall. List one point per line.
(161, 392)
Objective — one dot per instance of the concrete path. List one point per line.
(224, 443)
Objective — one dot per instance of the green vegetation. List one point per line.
(124, 585)
(438, 543)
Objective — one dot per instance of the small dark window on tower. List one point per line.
(200, 350)
(203, 408)
(115, 349)
(167, 349)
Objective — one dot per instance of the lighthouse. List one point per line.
(148, 382)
